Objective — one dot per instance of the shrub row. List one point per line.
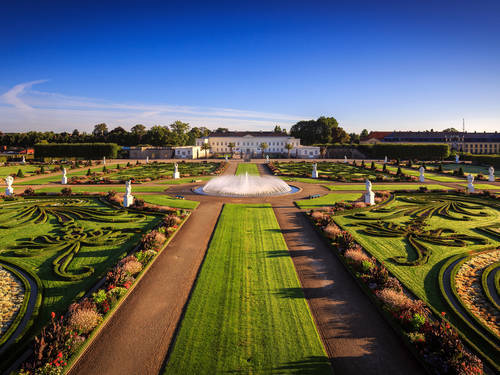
(485, 160)
(436, 343)
(406, 151)
(88, 151)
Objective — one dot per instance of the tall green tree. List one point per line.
(178, 133)
(100, 130)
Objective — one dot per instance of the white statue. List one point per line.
(176, 171)
(24, 160)
(64, 179)
(457, 158)
(385, 160)
(369, 194)
(225, 157)
(315, 171)
(9, 180)
(491, 176)
(267, 158)
(470, 180)
(104, 160)
(421, 178)
(147, 159)
(345, 159)
(128, 199)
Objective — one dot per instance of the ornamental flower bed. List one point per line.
(64, 336)
(435, 343)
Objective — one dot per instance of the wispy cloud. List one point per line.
(12, 96)
(32, 109)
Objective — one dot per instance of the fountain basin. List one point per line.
(246, 186)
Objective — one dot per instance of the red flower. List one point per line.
(53, 314)
(443, 313)
(59, 355)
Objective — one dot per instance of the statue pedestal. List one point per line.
(421, 178)
(9, 191)
(470, 188)
(314, 174)
(491, 178)
(128, 200)
(64, 180)
(177, 175)
(370, 198)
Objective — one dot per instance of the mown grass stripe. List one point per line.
(241, 316)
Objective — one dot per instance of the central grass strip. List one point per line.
(249, 168)
(247, 313)
(165, 200)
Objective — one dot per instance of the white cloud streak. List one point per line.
(22, 108)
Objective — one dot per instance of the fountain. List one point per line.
(245, 185)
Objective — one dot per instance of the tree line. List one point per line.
(321, 131)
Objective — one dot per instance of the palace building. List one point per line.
(249, 143)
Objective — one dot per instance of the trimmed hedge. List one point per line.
(486, 160)
(88, 151)
(432, 151)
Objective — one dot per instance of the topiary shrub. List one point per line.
(66, 191)
(20, 173)
(29, 191)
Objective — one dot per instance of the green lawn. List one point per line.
(249, 168)
(165, 200)
(57, 177)
(468, 168)
(27, 170)
(34, 240)
(183, 180)
(388, 187)
(422, 279)
(326, 200)
(247, 313)
(100, 188)
(305, 180)
(484, 186)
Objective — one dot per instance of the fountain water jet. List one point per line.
(245, 186)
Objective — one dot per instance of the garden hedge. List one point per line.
(406, 151)
(486, 160)
(88, 151)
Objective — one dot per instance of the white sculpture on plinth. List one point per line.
(147, 159)
(457, 158)
(470, 180)
(225, 157)
(385, 160)
(369, 194)
(315, 171)
(128, 199)
(176, 171)
(421, 178)
(24, 160)
(345, 159)
(9, 180)
(104, 160)
(491, 176)
(267, 158)
(64, 179)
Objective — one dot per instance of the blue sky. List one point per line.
(380, 65)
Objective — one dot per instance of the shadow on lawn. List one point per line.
(309, 365)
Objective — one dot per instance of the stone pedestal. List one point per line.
(491, 178)
(9, 191)
(64, 180)
(470, 188)
(177, 175)
(421, 178)
(314, 173)
(128, 200)
(370, 198)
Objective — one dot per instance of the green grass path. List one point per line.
(249, 168)
(390, 187)
(326, 200)
(247, 313)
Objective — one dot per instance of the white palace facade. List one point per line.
(249, 143)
